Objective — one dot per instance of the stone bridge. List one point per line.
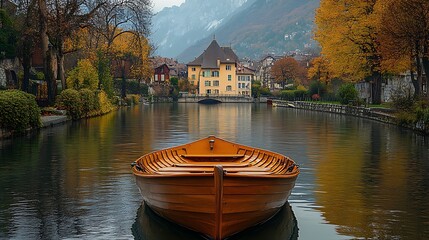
(213, 99)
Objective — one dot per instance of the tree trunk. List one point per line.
(376, 87)
(26, 65)
(414, 81)
(419, 74)
(425, 60)
(60, 67)
(124, 81)
(47, 53)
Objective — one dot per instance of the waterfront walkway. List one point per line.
(49, 121)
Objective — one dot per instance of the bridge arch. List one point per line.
(209, 101)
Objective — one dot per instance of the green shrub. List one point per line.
(18, 111)
(132, 99)
(104, 103)
(70, 100)
(84, 103)
(84, 75)
(293, 95)
(89, 101)
(406, 118)
(300, 95)
(104, 76)
(347, 93)
(316, 87)
(132, 87)
(287, 95)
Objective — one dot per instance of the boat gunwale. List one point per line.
(226, 174)
(245, 158)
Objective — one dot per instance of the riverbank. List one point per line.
(363, 112)
(46, 121)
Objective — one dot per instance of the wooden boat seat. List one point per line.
(249, 173)
(212, 155)
(212, 164)
(210, 169)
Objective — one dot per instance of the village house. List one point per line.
(217, 71)
(263, 73)
(161, 74)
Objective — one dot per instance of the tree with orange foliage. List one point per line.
(404, 37)
(319, 70)
(347, 33)
(286, 70)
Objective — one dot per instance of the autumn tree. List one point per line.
(347, 33)
(28, 36)
(65, 18)
(286, 70)
(404, 37)
(319, 70)
(119, 29)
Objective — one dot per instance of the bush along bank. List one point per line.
(84, 103)
(18, 112)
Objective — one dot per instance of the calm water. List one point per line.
(359, 178)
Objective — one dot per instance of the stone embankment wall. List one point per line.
(369, 113)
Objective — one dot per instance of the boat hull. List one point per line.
(191, 201)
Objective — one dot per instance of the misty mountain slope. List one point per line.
(267, 26)
(176, 28)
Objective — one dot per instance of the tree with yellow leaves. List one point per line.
(319, 70)
(347, 33)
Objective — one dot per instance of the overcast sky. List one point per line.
(158, 5)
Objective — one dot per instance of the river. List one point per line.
(359, 178)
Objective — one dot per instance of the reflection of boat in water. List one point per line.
(149, 226)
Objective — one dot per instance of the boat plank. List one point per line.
(205, 164)
(212, 155)
(210, 169)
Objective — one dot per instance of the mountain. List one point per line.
(176, 28)
(263, 27)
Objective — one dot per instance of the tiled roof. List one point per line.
(208, 59)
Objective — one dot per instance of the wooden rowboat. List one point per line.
(214, 186)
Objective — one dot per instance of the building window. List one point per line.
(248, 78)
(192, 82)
(208, 91)
(215, 74)
(156, 78)
(216, 83)
(229, 77)
(216, 91)
(162, 77)
(228, 88)
(193, 77)
(194, 69)
(207, 83)
(206, 73)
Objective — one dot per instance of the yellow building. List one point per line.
(217, 72)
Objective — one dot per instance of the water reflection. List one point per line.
(149, 226)
(359, 178)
